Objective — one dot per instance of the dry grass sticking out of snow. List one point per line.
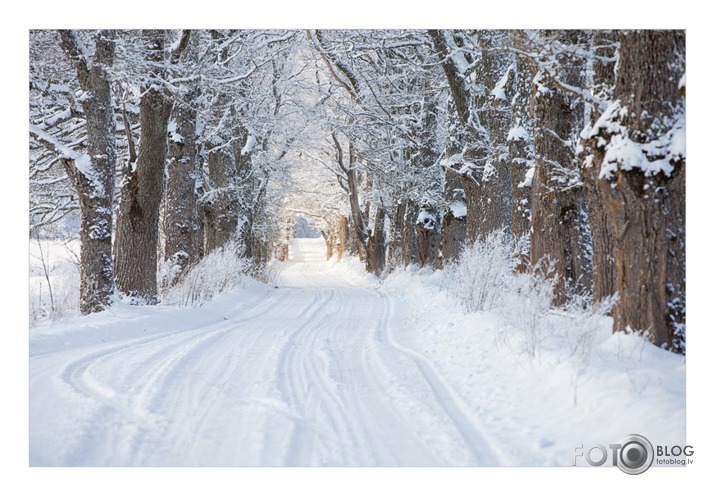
(54, 279)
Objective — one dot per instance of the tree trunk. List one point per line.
(488, 204)
(454, 226)
(429, 220)
(94, 181)
(375, 248)
(410, 245)
(343, 237)
(358, 221)
(453, 232)
(182, 224)
(604, 44)
(428, 235)
(394, 249)
(247, 195)
(644, 195)
(489, 193)
(329, 244)
(220, 202)
(560, 230)
(260, 238)
(520, 141)
(136, 242)
(182, 218)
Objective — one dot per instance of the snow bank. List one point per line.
(584, 385)
(123, 321)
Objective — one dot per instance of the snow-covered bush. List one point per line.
(218, 272)
(54, 279)
(484, 271)
(267, 273)
(576, 323)
(525, 303)
(582, 318)
(484, 279)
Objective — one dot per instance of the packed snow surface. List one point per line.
(329, 366)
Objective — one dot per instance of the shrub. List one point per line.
(218, 272)
(526, 302)
(481, 276)
(485, 278)
(54, 279)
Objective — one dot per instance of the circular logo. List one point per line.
(635, 455)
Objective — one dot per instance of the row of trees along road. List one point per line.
(400, 145)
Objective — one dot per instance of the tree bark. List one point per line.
(182, 224)
(260, 237)
(410, 244)
(645, 206)
(604, 46)
(453, 232)
(136, 242)
(429, 220)
(484, 175)
(560, 230)
(394, 248)
(361, 231)
(375, 248)
(343, 237)
(330, 243)
(428, 235)
(520, 140)
(249, 193)
(458, 88)
(94, 181)
(220, 203)
(488, 196)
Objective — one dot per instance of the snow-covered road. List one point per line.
(310, 373)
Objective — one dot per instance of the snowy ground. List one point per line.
(333, 367)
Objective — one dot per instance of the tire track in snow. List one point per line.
(399, 419)
(134, 413)
(76, 368)
(295, 386)
(325, 432)
(150, 362)
(449, 400)
(373, 422)
(366, 415)
(385, 378)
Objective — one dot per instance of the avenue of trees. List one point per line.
(399, 145)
